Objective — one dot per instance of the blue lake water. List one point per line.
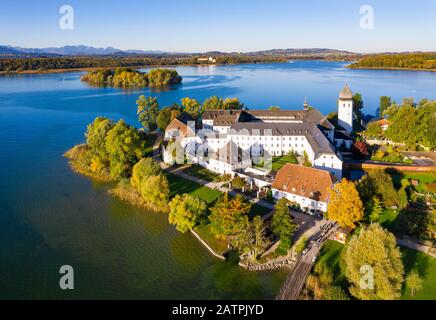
(50, 216)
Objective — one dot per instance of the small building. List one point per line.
(341, 234)
(308, 187)
(205, 59)
(384, 124)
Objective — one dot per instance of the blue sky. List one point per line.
(226, 25)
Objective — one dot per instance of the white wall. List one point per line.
(329, 162)
(305, 203)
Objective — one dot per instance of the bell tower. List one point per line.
(345, 109)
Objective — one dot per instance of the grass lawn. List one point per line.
(203, 230)
(425, 179)
(387, 218)
(279, 162)
(202, 173)
(150, 139)
(426, 267)
(180, 186)
(330, 255)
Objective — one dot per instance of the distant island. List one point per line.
(126, 77)
(400, 61)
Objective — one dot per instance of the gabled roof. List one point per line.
(346, 93)
(231, 153)
(304, 181)
(181, 124)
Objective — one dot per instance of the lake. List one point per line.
(50, 216)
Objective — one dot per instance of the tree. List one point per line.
(239, 182)
(166, 115)
(96, 134)
(192, 107)
(143, 170)
(232, 104)
(274, 108)
(334, 293)
(147, 111)
(163, 77)
(155, 191)
(378, 183)
(282, 223)
(374, 253)
(252, 239)
(345, 206)
(374, 209)
(124, 147)
(413, 282)
(306, 161)
(229, 216)
(373, 130)
(213, 103)
(358, 106)
(185, 211)
(385, 103)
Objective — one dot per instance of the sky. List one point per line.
(223, 25)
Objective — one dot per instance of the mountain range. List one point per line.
(82, 50)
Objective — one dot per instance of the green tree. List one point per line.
(273, 108)
(143, 170)
(345, 206)
(239, 183)
(252, 239)
(163, 77)
(383, 260)
(385, 103)
(97, 154)
(358, 106)
(232, 104)
(306, 161)
(229, 216)
(155, 191)
(147, 110)
(185, 211)
(166, 115)
(374, 209)
(282, 222)
(334, 293)
(373, 130)
(378, 183)
(413, 282)
(124, 147)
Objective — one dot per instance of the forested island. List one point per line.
(126, 77)
(406, 61)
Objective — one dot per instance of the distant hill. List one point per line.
(82, 50)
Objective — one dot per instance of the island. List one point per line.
(127, 77)
(400, 61)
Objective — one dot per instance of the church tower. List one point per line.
(345, 109)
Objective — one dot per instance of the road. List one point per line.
(296, 279)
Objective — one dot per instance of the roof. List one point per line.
(383, 122)
(346, 93)
(230, 153)
(343, 135)
(222, 117)
(181, 124)
(304, 181)
(318, 141)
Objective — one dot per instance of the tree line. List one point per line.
(424, 61)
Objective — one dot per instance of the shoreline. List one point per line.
(52, 71)
(395, 69)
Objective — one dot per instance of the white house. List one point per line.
(304, 186)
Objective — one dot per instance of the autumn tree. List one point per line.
(374, 250)
(97, 154)
(155, 191)
(373, 130)
(306, 161)
(185, 211)
(273, 108)
(147, 111)
(413, 282)
(213, 103)
(252, 239)
(345, 206)
(239, 182)
(282, 223)
(143, 170)
(229, 215)
(192, 107)
(385, 103)
(124, 147)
